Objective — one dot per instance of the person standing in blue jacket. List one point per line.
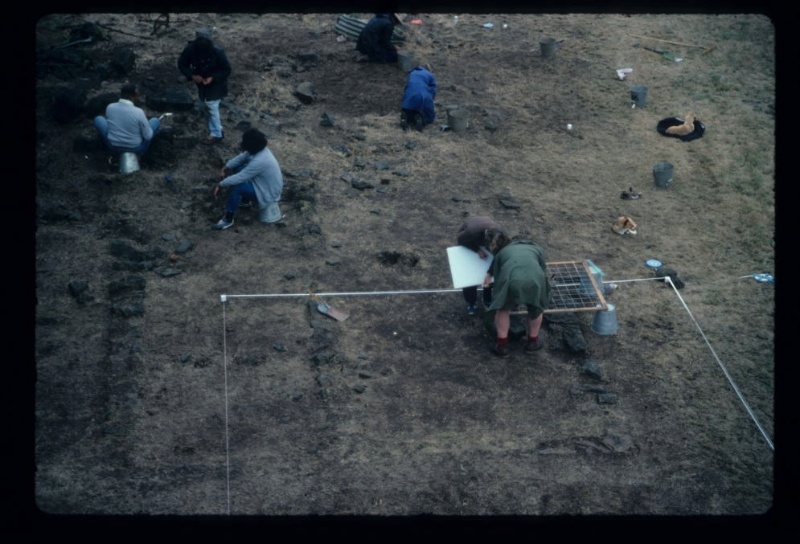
(417, 108)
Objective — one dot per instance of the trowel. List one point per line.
(327, 309)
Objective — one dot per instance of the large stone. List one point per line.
(172, 100)
(123, 60)
(305, 92)
(97, 104)
(68, 104)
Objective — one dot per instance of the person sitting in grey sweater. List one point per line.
(253, 176)
(125, 127)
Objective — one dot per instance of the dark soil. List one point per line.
(156, 396)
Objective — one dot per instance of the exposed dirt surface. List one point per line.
(155, 396)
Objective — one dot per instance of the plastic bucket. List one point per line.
(605, 321)
(270, 214)
(458, 119)
(662, 172)
(547, 46)
(638, 96)
(128, 162)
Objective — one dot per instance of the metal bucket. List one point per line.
(662, 172)
(128, 162)
(458, 119)
(271, 213)
(548, 46)
(406, 60)
(638, 96)
(605, 321)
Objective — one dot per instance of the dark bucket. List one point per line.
(638, 96)
(662, 172)
(458, 119)
(548, 47)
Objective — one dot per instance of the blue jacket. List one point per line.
(420, 92)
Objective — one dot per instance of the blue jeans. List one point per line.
(214, 123)
(101, 124)
(244, 189)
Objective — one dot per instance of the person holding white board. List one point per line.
(472, 235)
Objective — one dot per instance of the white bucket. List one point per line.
(271, 213)
(128, 162)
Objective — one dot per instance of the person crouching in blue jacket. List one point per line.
(417, 108)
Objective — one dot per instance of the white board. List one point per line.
(466, 267)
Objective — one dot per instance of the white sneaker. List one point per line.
(222, 224)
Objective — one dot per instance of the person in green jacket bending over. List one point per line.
(519, 272)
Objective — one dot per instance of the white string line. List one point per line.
(722, 366)
(227, 443)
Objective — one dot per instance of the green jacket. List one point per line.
(520, 277)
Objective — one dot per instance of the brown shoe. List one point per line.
(531, 346)
(500, 351)
(211, 140)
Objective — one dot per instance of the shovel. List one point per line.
(329, 310)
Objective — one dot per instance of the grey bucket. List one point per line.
(638, 96)
(128, 162)
(605, 321)
(270, 214)
(458, 119)
(662, 172)
(547, 46)
(406, 60)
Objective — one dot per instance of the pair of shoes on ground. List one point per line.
(223, 224)
(246, 204)
(472, 309)
(211, 140)
(630, 194)
(530, 347)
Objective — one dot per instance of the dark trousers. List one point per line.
(471, 295)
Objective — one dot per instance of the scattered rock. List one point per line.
(184, 246)
(573, 338)
(326, 120)
(591, 369)
(509, 204)
(360, 388)
(169, 272)
(606, 398)
(185, 357)
(361, 185)
(171, 101)
(402, 172)
(68, 104)
(305, 92)
(278, 346)
(382, 165)
(123, 61)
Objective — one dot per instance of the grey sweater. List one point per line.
(127, 124)
(263, 170)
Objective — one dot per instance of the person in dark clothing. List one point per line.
(375, 41)
(417, 108)
(472, 235)
(519, 272)
(207, 65)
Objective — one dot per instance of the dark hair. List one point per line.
(496, 239)
(253, 141)
(128, 90)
